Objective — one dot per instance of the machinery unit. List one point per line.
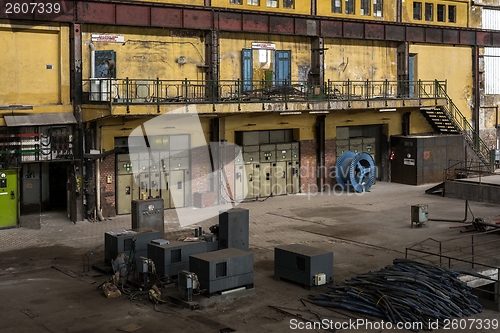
(303, 264)
(187, 281)
(173, 257)
(8, 199)
(355, 171)
(223, 270)
(121, 241)
(419, 215)
(148, 214)
(234, 229)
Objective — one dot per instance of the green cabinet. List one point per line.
(8, 198)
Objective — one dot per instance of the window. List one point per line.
(429, 8)
(253, 2)
(452, 14)
(365, 7)
(235, 2)
(272, 3)
(491, 70)
(441, 14)
(336, 6)
(417, 10)
(349, 6)
(288, 4)
(377, 8)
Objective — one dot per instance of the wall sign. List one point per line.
(108, 38)
(263, 46)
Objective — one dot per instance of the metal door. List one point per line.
(266, 174)
(164, 183)
(144, 183)
(8, 198)
(155, 181)
(253, 180)
(279, 178)
(282, 67)
(176, 185)
(240, 182)
(246, 69)
(292, 174)
(124, 193)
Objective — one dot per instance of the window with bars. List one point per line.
(272, 3)
(429, 11)
(417, 10)
(452, 14)
(288, 4)
(349, 6)
(253, 2)
(336, 6)
(377, 8)
(235, 2)
(441, 13)
(365, 7)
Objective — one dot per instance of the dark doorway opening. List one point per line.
(58, 194)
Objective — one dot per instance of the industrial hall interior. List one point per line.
(177, 139)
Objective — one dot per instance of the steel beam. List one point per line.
(206, 18)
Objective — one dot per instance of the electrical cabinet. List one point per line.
(120, 241)
(223, 270)
(302, 264)
(293, 180)
(234, 229)
(172, 258)
(265, 174)
(419, 215)
(253, 180)
(279, 185)
(148, 214)
(8, 199)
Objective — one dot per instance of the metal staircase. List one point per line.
(439, 121)
(449, 119)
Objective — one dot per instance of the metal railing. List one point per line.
(145, 91)
(465, 128)
(464, 169)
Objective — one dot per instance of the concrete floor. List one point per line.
(44, 288)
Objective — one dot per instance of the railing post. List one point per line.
(127, 90)
(238, 92)
(328, 91)
(349, 92)
(158, 95)
(186, 89)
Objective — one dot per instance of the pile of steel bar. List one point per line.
(407, 291)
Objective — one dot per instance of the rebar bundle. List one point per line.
(405, 292)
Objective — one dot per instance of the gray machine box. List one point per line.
(223, 270)
(172, 258)
(120, 241)
(233, 229)
(148, 214)
(301, 263)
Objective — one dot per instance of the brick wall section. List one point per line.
(107, 168)
(330, 161)
(200, 169)
(308, 167)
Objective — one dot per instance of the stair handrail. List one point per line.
(465, 128)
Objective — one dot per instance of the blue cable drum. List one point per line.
(355, 171)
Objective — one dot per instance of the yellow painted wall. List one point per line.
(451, 63)
(462, 12)
(148, 53)
(324, 8)
(121, 127)
(300, 6)
(359, 60)
(231, 45)
(34, 64)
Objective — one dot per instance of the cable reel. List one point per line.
(355, 171)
